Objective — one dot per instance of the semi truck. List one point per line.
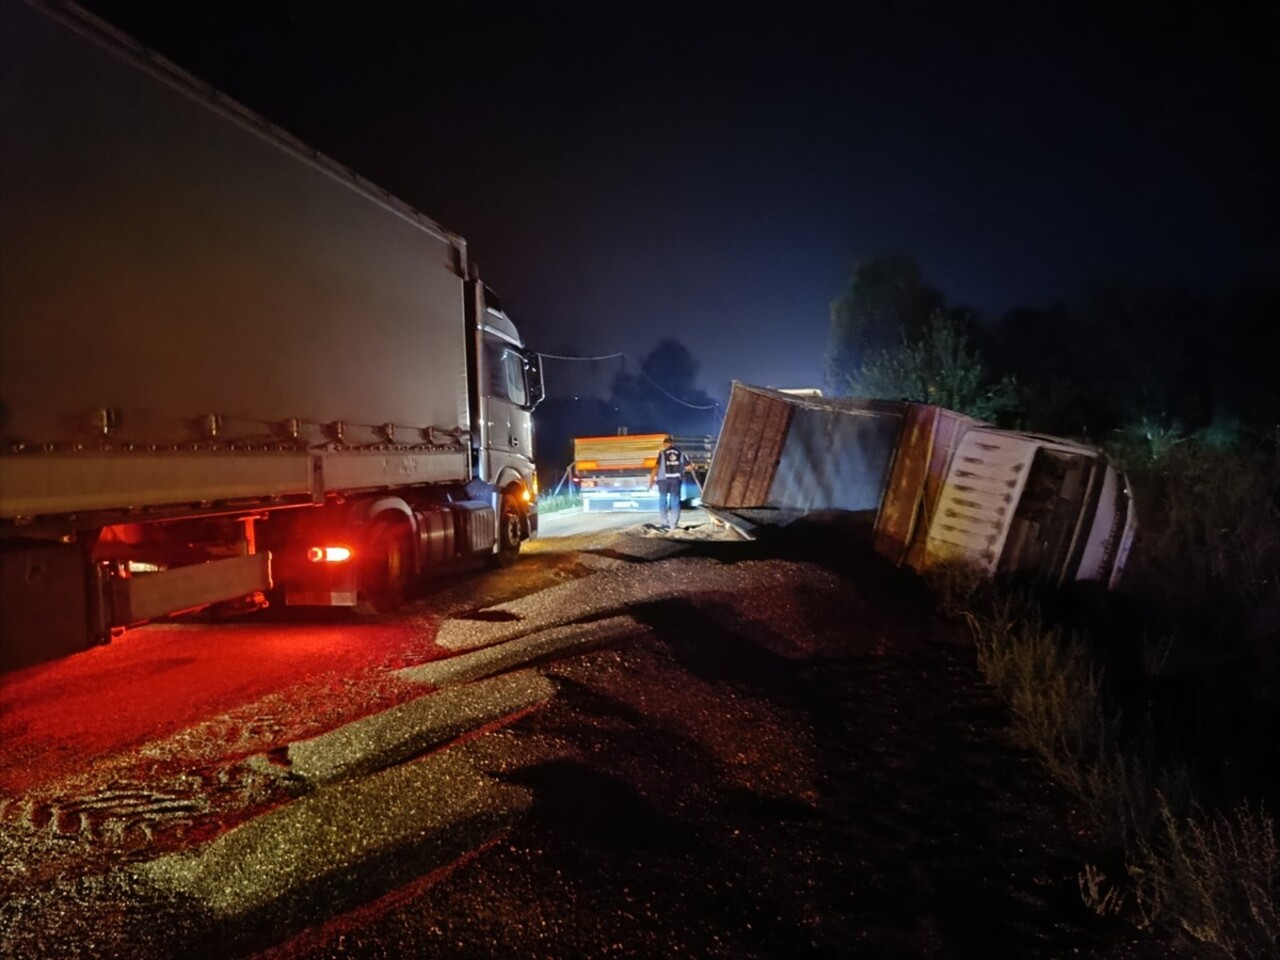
(232, 370)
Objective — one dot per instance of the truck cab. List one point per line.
(507, 386)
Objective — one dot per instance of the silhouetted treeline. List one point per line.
(1170, 360)
(1166, 359)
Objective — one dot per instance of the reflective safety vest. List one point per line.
(672, 463)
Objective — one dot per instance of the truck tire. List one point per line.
(510, 530)
(386, 568)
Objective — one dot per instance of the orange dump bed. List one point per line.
(630, 453)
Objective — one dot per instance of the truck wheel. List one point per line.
(386, 568)
(510, 526)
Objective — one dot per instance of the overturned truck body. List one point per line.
(934, 486)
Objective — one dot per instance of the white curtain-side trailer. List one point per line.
(230, 368)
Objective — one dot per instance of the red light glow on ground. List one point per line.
(58, 718)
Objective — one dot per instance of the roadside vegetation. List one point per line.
(556, 502)
(1152, 710)
(1210, 869)
(1156, 706)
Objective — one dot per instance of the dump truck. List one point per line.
(612, 472)
(930, 485)
(232, 370)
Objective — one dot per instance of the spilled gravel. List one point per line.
(712, 748)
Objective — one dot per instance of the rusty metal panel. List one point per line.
(755, 427)
(754, 485)
(948, 427)
(977, 502)
(905, 488)
(790, 452)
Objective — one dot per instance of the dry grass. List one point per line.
(1215, 876)
(1207, 558)
(1055, 694)
(1212, 876)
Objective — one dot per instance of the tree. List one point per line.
(940, 367)
(1119, 356)
(1041, 350)
(662, 396)
(885, 302)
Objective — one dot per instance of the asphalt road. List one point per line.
(630, 744)
(694, 522)
(568, 523)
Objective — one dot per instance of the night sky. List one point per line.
(629, 170)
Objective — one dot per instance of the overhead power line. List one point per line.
(666, 393)
(660, 389)
(607, 356)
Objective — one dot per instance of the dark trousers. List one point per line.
(669, 501)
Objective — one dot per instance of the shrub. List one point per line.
(940, 366)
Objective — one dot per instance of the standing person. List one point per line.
(668, 473)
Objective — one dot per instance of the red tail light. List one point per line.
(329, 554)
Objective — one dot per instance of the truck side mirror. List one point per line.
(533, 377)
